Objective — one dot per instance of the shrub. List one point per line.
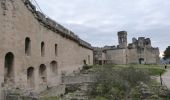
(86, 67)
(116, 84)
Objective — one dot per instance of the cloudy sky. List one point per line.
(98, 21)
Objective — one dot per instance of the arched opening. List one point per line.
(100, 62)
(56, 49)
(43, 73)
(27, 46)
(9, 68)
(54, 67)
(89, 59)
(42, 49)
(30, 77)
(141, 61)
(84, 61)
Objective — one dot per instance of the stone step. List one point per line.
(54, 91)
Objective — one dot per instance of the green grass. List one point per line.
(100, 98)
(49, 98)
(153, 70)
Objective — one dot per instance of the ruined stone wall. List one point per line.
(152, 56)
(17, 23)
(117, 56)
(149, 55)
(132, 56)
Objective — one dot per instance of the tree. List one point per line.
(167, 53)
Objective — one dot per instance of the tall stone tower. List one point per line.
(122, 39)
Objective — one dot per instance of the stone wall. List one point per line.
(132, 56)
(140, 51)
(116, 56)
(18, 22)
(80, 78)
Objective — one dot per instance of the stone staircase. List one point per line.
(53, 91)
(80, 94)
(77, 95)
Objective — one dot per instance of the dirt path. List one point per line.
(166, 78)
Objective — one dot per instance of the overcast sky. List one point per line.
(98, 21)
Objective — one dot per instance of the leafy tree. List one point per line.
(167, 53)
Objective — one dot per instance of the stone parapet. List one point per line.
(54, 26)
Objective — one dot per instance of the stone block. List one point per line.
(41, 16)
(51, 22)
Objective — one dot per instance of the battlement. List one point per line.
(97, 49)
(122, 33)
(54, 26)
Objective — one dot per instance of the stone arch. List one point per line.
(141, 61)
(89, 59)
(27, 46)
(42, 48)
(43, 73)
(85, 62)
(9, 68)
(54, 67)
(30, 77)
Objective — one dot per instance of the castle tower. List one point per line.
(122, 39)
(148, 42)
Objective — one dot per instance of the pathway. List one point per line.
(166, 78)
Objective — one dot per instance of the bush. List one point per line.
(116, 84)
(87, 67)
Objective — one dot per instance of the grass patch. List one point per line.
(49, 98)
(153, 70)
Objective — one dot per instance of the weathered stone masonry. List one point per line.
(140, 51)
(35, 50)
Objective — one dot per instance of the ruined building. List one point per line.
(140, 51)
(35, 50)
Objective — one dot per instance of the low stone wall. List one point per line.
(14, 97)
(73, 79)
(21, 95)
(80, 78)
(54, 91)
(18, 95)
